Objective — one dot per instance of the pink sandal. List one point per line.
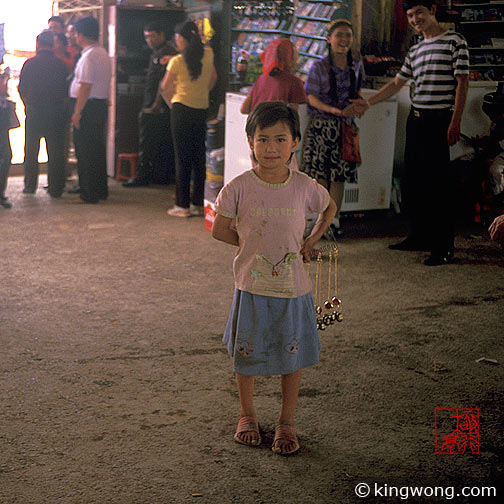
(285, 432)
(247, 424)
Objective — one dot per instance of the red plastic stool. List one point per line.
(131, 160)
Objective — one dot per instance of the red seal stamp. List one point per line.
(456, 430)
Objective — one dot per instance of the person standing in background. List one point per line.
(75, 52)
(43, 90)
(5, 126)
(89, 92)
(155, 140)
(185, 87)
(73, 48)
(61, 50)
(439, 68)
(56, 24)
(330, 85)
(277, 82)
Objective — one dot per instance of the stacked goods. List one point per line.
(214, 173)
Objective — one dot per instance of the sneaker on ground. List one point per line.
(177, 211)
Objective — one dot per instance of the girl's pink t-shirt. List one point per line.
(270, 221)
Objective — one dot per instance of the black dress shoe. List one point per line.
(439, 259)
(135, 183)
(28, 191)
(74, 190)
(409, 244)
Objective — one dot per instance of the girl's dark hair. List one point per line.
(267, 114)
(193, 53)
(350, 61)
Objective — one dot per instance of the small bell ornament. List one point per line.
(332, 305)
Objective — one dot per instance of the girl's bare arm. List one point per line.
(222, 231)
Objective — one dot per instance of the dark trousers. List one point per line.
(5, 159)
(45, 121)
(90, 150)
(189, 131)
(157, 163)
(428, 188)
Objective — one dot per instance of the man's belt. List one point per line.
(425, 112)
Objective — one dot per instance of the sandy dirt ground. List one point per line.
(115, 386)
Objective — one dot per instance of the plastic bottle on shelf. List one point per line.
(242, 65)
(235, 52)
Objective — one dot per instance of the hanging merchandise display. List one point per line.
(329, 310)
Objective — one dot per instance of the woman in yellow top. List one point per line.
(185, 87)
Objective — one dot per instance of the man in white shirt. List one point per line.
(89, 92)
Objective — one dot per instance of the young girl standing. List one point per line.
(272, 325)
(331, 83)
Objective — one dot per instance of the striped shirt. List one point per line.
(432, 64)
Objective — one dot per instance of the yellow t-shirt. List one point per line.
(192, 93)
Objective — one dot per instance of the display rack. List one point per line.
(308, 29)
(482, 24)
(253, 24)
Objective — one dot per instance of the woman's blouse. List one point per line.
(318, 84)
(284, 87)
(192, 93)
(270, 222)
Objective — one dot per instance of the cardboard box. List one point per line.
(209, 214)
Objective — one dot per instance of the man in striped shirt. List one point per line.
(438, 67)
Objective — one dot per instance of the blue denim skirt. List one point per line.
(271, 336)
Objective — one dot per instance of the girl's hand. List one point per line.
(336, 111)
(307, 248)
(496, 229)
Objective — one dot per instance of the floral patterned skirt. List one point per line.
(321, 152)
(271, 336)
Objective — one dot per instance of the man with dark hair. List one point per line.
(56, 24)
(438, 66)
(43, 89)
(89, 92)
(155, 141)
(73, 48)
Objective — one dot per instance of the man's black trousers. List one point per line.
(89, 141)
(157, 160)
(428, 185)
(45, 121)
